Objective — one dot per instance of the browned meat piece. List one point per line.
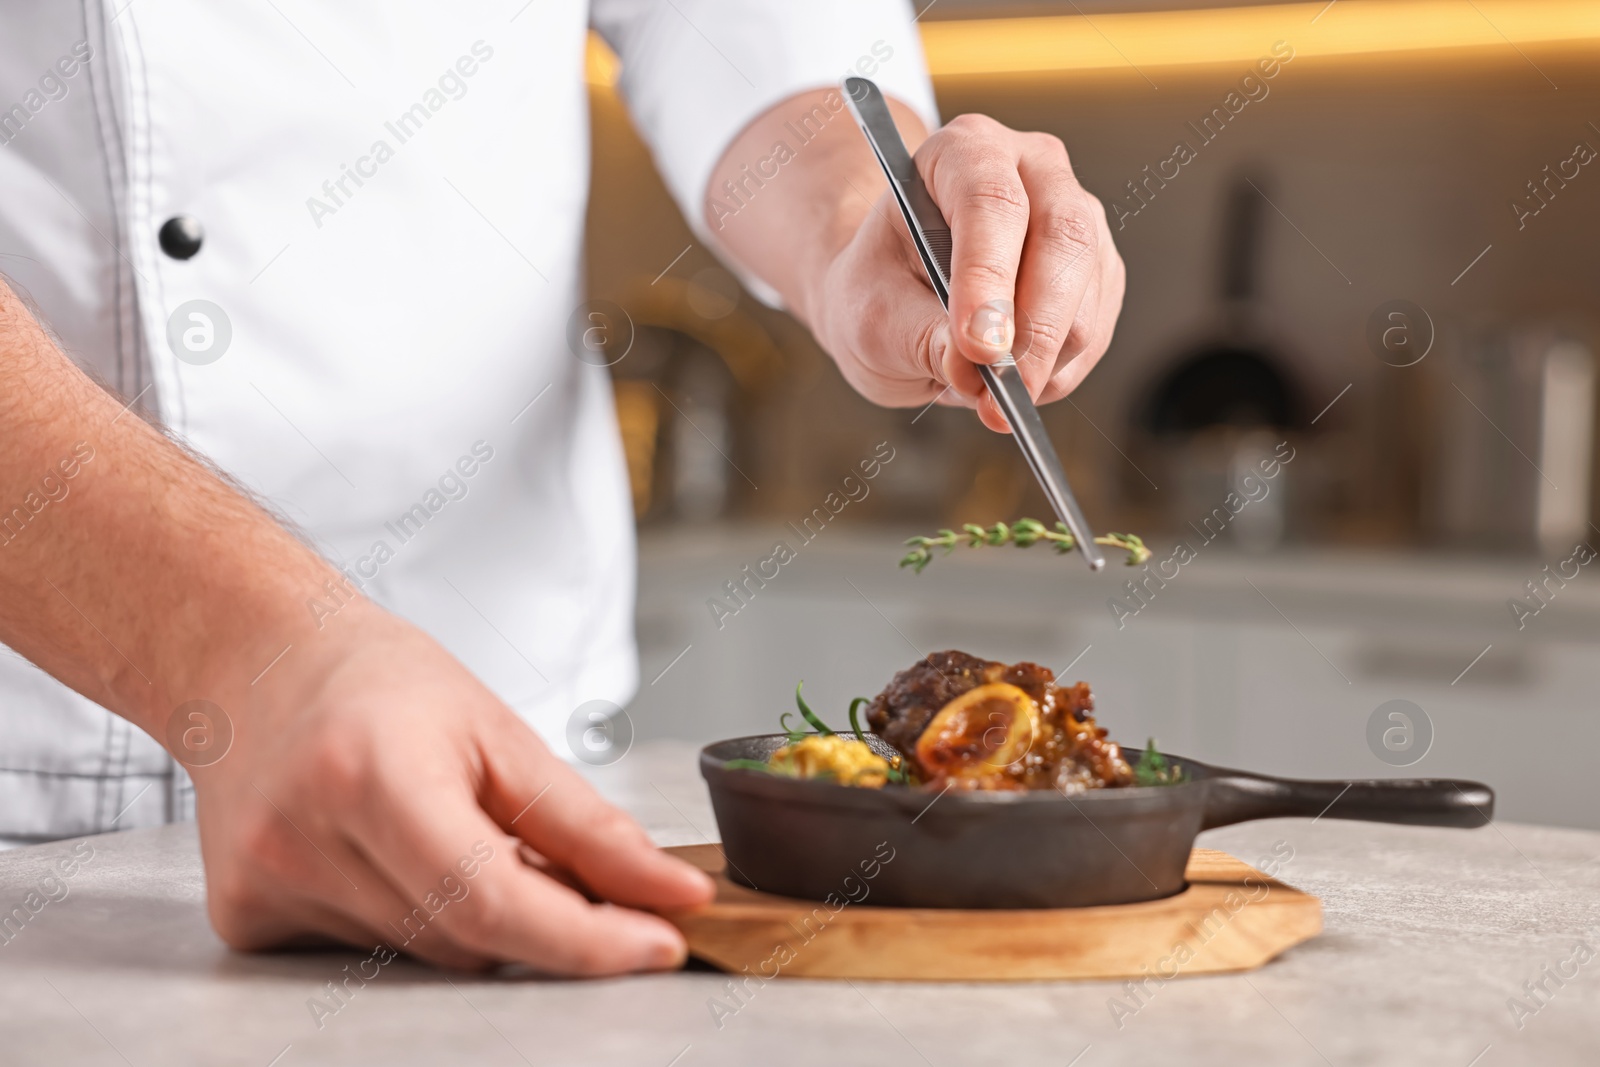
(1066, 751)
(899, 713)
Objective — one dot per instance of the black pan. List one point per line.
(1036, 849)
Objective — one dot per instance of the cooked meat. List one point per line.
(902, 710)
(997, 738)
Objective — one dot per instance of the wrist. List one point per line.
(264, 651)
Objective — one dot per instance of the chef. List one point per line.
(312, 526)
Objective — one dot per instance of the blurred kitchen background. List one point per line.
(1388, 263)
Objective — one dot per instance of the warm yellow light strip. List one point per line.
(600, 64)
(1155, 40)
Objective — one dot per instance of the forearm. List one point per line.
(787, 211)
(127, 570)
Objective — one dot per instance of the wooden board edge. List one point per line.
(869, 946)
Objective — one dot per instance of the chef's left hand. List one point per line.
(1034, 270)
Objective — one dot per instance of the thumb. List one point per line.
(549, 806)
(961, 374)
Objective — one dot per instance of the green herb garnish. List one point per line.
(1022, 533)
(897, 772)
(748, 765)
(855, 724)
(898, 775)
(1153, 769)
(809, 715)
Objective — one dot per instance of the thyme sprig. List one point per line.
(1023, 533)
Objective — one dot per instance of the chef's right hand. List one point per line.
(370, 773)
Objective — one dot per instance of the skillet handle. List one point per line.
(1239, 796)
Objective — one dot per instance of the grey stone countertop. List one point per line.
(1429, 938)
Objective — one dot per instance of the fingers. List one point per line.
(1034, 273)
(972, 171)
(1091, 333)
(287, 893)
(1030, 249)
(1060, 263)
(383, 941)
(1077, 356)
(428, 874)
(382, 815)
(505, 909)
(968, 389)
(572, 827)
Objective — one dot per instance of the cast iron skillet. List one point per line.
(1022, 849)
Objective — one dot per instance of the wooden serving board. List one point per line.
(1222, 922)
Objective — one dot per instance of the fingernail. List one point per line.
(994, 325)
(667, 951)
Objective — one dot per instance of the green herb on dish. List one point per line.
(1153, 768)
(826, 754)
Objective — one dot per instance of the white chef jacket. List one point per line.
(392, 194)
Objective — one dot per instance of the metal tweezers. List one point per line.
(931, 233)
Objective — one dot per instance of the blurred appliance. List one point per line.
(1566, 445)
(676, 409)
(1220, 408)
(1516, 441)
